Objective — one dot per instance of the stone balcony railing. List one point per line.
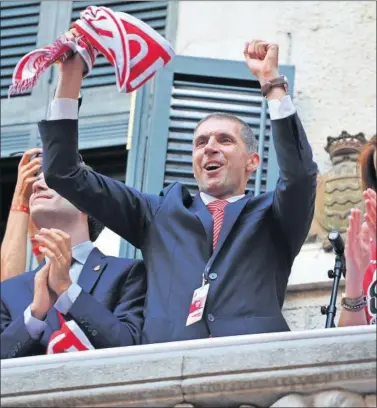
(314, 368)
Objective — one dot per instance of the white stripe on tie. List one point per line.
(216, 208)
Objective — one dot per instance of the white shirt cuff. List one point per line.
(34, 326)
(281, 109)
(63, 108)
(67, 298)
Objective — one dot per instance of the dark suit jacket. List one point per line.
(109, 309)
(249, 269)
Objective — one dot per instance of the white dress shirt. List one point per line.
(64, 108)
(80, 253)
(206, 198)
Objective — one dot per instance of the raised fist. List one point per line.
(262, 59)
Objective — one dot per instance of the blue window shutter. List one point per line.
(99, 132)
(15, 139)
(188, 89)
(19, 30)
(154, 13)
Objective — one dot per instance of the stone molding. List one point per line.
(256, 370)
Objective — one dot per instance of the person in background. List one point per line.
(79, 298)
(359, 302)
(19, 225)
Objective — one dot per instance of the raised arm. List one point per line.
(294, 196)
(122, 209)
(295, 192)
(14, 245)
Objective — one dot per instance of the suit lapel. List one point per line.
(201, 211)
(232, 212)
(92, 270)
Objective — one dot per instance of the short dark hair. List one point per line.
(246, 131)
(95, 227)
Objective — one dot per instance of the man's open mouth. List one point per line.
(212, 167)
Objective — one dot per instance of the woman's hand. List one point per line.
(27, 174)
(357, 252)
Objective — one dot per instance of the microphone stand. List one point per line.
(336, 274)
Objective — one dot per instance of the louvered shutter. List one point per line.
(19, 30)
(25, 26)
(97, 133)
(154, 13)
(14, 139)
(186, 91)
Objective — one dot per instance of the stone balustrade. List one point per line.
(321, 368)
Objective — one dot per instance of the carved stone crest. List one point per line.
(339, 189)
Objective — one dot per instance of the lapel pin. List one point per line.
(97, 268)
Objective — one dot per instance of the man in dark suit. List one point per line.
(217, 264)
(103, 295)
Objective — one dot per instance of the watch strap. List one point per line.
(280, 81)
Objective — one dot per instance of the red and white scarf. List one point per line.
(135, 50)
(68, 338)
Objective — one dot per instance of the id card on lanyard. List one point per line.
(198, 303)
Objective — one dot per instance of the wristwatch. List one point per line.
(280, 82)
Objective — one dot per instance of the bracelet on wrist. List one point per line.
(354, 304)
(20, 208)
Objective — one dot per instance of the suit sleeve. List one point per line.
(294, 196)
(122, 209)
(123, 326)
(15, 339)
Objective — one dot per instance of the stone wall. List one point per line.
(302, 308)
(320, 368)
(331, 44)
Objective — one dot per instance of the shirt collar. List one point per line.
(80, 252)
(206, 198)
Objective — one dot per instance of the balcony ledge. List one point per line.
(256, 370)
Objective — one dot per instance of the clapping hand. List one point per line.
(44, 298)
(357, 248)
(27, 174)
(56, 246)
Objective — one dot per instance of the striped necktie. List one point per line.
(216, 208)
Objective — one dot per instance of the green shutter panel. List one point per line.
(186, 91)
(14, 139)
(19, 29)
(153, 13)
(98, 133)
